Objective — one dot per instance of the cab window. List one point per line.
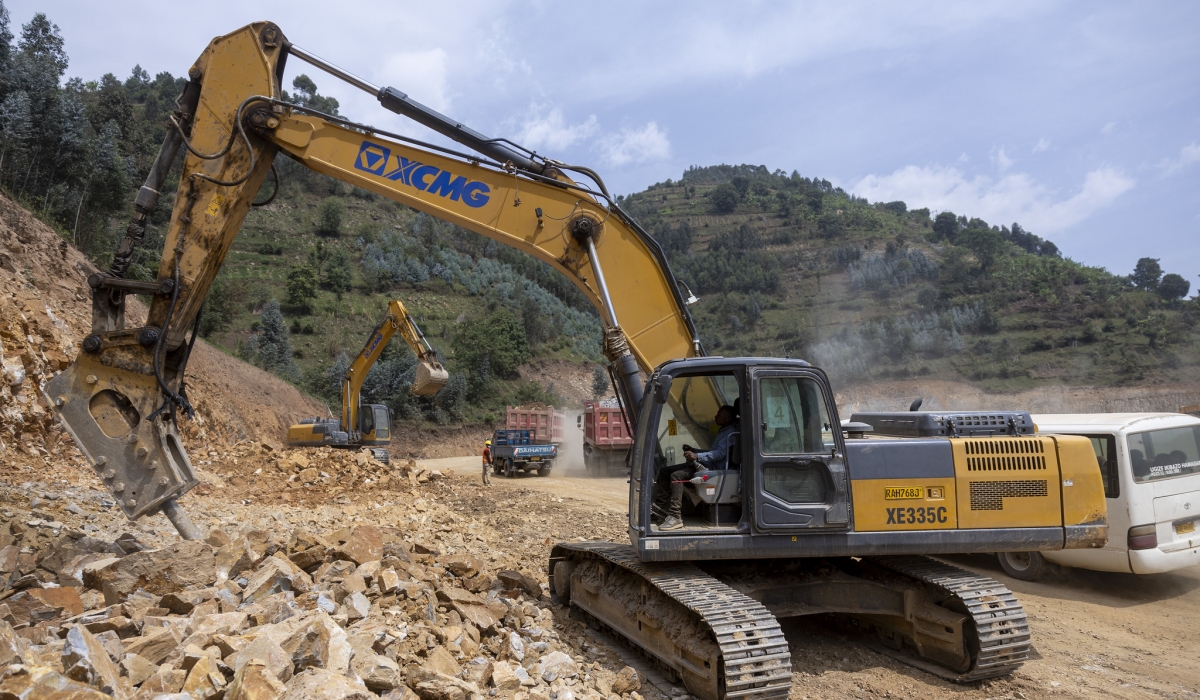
(368, 421)
(382, 419)
(795, 421)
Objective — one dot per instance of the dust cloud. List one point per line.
(570, 450)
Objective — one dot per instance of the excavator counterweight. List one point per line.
(749, 500)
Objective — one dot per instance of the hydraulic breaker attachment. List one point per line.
(106, 411)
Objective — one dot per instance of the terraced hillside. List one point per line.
(785, 264)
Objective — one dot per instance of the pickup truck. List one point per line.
(514, 451)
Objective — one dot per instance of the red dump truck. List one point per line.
(606, 437)
(544, 424)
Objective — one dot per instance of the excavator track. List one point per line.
(1000, 624)
(754, 660)
(750, 654)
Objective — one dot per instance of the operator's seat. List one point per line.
(720, 490)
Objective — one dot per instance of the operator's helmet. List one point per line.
(487, 442)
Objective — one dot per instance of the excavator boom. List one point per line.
(120, 399)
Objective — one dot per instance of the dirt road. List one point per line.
(1118, 635)
(611, 494)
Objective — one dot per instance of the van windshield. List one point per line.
(1163, 454)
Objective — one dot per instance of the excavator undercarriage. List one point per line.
(714, 625)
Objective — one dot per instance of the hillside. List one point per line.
(787, 265)
(45, 311)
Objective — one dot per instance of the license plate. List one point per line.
(901, 493)
(535, 459)
(1185, 527)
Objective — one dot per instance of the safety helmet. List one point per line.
(487, 442)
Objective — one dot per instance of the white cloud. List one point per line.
(1013, 197)
(1001, 159)
(423, 75)
(1188, 155)
(1043, 144)
(964, 158)
(551, 132)
(1108, 128)
(636, 145)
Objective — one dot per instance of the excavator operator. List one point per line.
(487, 462)
(714, 458)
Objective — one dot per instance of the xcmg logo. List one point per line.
(378, 160)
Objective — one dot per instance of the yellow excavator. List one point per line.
(369, 425)
(778, 510)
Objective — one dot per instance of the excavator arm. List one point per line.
(431, 376)
(120, 399)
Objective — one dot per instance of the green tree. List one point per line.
(112, 104)
(329, 222)
(41, 41)
(307, 96)
(317, 257)
(492, 348)
(220, 307)
(1157, 329)
(830, 224)
(1146, 274)
(599, 381)
(1173, 286)
(271, 347)
(301, 285)
(741, 184)
(945, 226)
(723, 198)
(533, 321)
(986, 244)
(337, 273)
(6, 38)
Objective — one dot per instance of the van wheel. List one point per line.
(1023, 566)
(544, 471)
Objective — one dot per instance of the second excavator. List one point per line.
(787, 514)
(369, 425)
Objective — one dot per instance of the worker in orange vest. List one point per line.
(487, 463)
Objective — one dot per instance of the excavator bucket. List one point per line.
(431, 377)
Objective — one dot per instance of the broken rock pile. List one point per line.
(312, 472)
(286, 613)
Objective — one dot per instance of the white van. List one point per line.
(1150, 463)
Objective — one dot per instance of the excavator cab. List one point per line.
(784, 471)
(375, 424)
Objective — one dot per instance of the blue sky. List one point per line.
(1079, 120)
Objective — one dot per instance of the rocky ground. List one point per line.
(424, 589)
